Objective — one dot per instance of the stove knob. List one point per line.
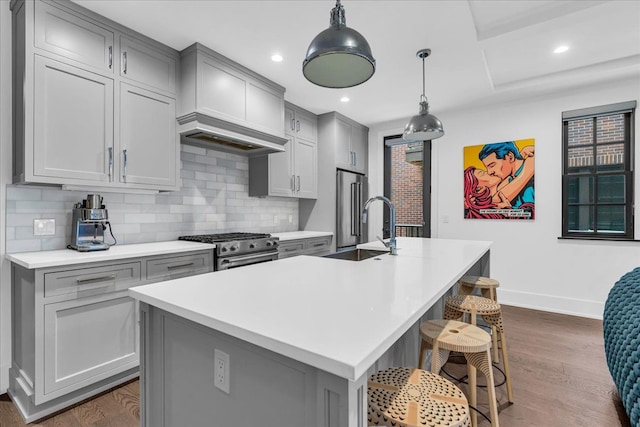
(269, 243)
(224, 249)
(252, 245)
(233, 248)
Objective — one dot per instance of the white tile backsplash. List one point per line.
(214, 198)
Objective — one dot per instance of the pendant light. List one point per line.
(339, 56)
(424, 126)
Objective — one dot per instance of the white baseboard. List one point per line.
(552, 303)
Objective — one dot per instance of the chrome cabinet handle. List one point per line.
(298, 186)
(172, 267)
(124, 165)
(317, 245)
(124, 62)
(293, 126)
(355, 159)
(293, 183)
(110, 56)
(95, 279)
(297, 125)
(110, 164)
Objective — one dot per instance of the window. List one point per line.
(597, 174)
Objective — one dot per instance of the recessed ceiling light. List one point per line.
(276, 58)
(561, 49)
(344, 99)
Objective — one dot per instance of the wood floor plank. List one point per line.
(558, 367)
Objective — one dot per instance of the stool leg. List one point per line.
(505, 362)
(424, 346)
(473, 395)
(494, 338)
(482, 361)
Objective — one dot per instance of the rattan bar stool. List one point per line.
(488, 289)
(445, 336)
(408, 397)
(455, 308)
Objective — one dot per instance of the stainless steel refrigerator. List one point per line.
(351, 196)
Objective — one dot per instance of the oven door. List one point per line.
(225, 263)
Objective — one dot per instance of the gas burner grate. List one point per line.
(223, 237)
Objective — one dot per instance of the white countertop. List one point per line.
(295, 235)
(338, 316)
(62, 257)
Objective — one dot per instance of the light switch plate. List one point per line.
(44, 227)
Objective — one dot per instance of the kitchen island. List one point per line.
(301, 334)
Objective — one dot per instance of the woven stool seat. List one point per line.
(455, 308)
(487, 288)
(444, 336)
(406, 397)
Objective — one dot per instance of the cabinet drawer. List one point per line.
(72, 37)
(318, 245)
(179, 266)
(289, 249)
(93, 280)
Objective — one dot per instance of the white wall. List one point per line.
(534, 267)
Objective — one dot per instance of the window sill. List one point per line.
(601, 239)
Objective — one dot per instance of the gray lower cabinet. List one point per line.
(311, 246)
(76, 330)
(77, 121)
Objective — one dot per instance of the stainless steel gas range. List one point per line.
(239, 249)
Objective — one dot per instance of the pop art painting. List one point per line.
(499, 180)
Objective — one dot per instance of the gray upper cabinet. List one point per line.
(350, 145)
(147, 66)
(148, 139)
(77, 121)
(293, 173)
(72, 124)
(67, 35)
(218, 87)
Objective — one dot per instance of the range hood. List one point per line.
(209, 132)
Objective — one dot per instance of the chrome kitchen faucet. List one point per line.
(393, 249)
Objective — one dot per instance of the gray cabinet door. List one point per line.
(145, 65)
(281, 171)
(359, 139)
(148, 140)
(306, 126)
(86, 340)
(306, 169)
(67, 35)
(73, 123)
(344, 156)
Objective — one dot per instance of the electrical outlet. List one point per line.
(44, 227)
(275, 219)
(221, 370)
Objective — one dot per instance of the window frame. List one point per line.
(627, 109)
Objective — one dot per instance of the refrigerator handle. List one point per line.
(359, 209)
(353, 209)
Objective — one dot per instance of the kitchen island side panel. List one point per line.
(266, 388)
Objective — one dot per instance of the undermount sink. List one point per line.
(356, 254)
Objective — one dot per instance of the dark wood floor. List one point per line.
(560, 378)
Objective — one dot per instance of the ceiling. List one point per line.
(483, 51)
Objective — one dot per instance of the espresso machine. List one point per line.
(89, 222)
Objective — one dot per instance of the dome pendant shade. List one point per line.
(423, 126)
(339, 56)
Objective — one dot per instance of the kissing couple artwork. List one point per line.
(499, 180)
